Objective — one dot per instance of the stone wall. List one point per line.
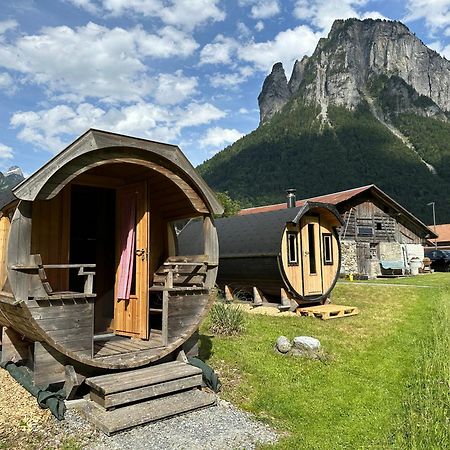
(390, 251)
(349, 259)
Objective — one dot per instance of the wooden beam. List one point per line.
(228, 293)
(258, 297)
(14, 347)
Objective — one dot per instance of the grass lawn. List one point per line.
(370, 392)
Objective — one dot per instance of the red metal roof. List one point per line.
(334, 199)
(443, 232)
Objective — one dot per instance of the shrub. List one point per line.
(227, 319)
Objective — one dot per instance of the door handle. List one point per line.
(142, 253)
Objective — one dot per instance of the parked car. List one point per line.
(440, 260)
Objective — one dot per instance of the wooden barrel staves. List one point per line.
(61, 251)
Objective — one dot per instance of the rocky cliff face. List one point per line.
(275, 93)
(361, 59)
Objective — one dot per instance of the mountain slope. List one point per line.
(369, 106)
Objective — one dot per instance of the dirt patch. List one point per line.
(266, 311)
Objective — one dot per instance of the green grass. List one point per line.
(362, 395)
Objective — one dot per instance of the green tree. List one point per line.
(230, 206)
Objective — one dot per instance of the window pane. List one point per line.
(292, 248)
(312, 248)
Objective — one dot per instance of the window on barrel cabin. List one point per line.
(312, 249)
(292, 242)
(327, 249)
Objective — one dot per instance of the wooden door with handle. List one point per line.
(132, 275)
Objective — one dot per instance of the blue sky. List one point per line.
(186, 72)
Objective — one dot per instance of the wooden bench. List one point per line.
(42, 289)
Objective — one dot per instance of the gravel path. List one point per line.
(23, 425)
(217, 428)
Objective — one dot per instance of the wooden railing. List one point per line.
(40, 288)
(178, 275)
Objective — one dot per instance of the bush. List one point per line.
(227, 319)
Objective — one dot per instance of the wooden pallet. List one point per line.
(326, 312)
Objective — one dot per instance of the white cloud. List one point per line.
(51, 129)
(6, 82)
(187, 14)
(6, 152)
(174, 89)
(231, 80)
(7, 25)
(322, 13)
(199, 114)
(435, 13)
(263, 9)
(216, 138)
(259, 25)
(442, 49)
(87, 5)
(94, 61)
(191, 13)
(287, 46)
(219, 51)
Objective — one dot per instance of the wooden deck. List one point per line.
(326, 312)
(119, 345)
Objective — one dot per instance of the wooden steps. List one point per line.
(127, 399)
(326, 312)
(111, 422)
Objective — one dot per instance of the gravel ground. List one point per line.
(25, 426)
(217, 428)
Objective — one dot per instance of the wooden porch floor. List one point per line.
(118, 345)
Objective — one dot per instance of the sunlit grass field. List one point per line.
(383, 384)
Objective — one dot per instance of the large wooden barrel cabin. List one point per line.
(292, 255)
(89, 269)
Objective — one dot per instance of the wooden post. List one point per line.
(46, 369)
(14, 347)
(257, 297)
(228, 294)
(73, 381)
(285, 301)
(211, 250)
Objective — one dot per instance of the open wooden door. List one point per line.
(312, 264)
(132, 279)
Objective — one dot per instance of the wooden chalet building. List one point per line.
(377, 232)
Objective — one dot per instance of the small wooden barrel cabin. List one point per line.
(291, 254)
(90, 272)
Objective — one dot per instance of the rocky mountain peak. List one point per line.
(346, 67)
(275, 93)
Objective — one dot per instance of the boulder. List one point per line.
(306, 343)
(283, 344)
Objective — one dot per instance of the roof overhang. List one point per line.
(93, 147)
(327, 210)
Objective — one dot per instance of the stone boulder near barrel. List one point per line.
(306, 343)
(283, 344)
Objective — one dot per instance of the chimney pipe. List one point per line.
(290, 198)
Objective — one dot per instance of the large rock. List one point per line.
(283, 344)
(348, 65)
(275, 93)
(306, 343)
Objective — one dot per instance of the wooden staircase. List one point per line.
(127, 399)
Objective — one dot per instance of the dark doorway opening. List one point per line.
(92, 241)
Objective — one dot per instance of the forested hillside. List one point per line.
(345, 120)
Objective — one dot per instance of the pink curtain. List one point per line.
(127, 243)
